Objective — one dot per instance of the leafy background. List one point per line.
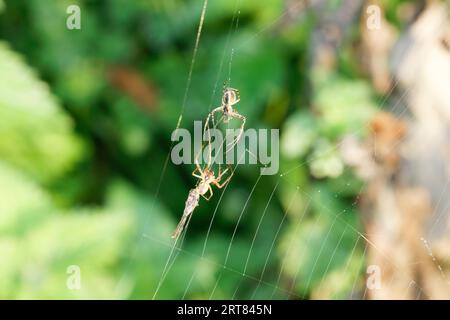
(85, 123)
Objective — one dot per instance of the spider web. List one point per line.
(267, 282)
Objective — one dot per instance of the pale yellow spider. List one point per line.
(229, 99)
(207, 178)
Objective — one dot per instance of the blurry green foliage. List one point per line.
(35, 134)
(345, 106)
(299, 133)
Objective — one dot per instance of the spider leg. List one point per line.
(211, 115)
(221, 185)
(197, 155)
(210, 194)
(197, 168)
(206, 126)
(221, 173)
(237, 115)
(196, 175)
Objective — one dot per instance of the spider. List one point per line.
(207, 178)
(229, 99)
